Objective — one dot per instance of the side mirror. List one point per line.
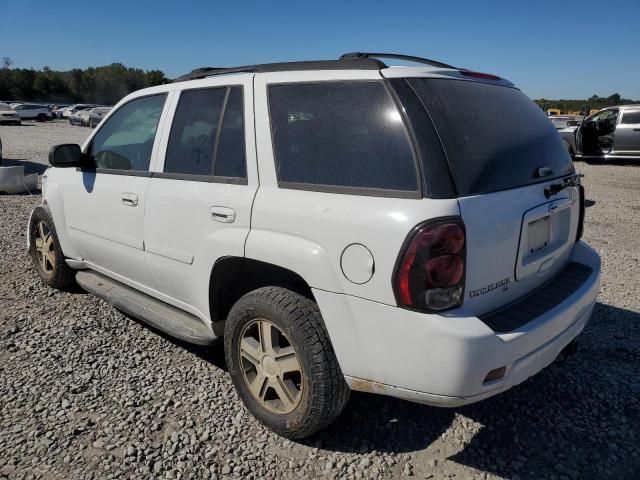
(66, 155)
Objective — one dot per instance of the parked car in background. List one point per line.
(8, 116)
(401, 240)
(57, 110)
(77, 118)
(89, 117)
(32, 111)
(66, 113)
(96, 115)
(566, 126)
(611, 134)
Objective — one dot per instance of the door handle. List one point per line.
(223, 214)
(129, 199)
(636, 129)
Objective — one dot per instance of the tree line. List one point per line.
(100, 85)
(106, 85)
(592, 103)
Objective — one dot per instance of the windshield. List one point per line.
(495, 138)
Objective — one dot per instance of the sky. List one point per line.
(549, 48)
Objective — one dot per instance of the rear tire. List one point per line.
(41, 117)
(46, 254)
(282, 363)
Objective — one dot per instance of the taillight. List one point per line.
(429, 275)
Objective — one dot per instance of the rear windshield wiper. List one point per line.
(554, 188)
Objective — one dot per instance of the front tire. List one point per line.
(46, 254)
(282, 363)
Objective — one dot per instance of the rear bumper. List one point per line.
(443, 359)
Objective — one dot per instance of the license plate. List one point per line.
(538, 235)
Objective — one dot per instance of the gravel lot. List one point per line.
(88, 393)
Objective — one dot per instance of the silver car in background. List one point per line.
(610, 134)
(96, 115)
(566, 126)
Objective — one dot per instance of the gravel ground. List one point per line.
(88, 393)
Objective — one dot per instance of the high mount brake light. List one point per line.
(430, 271)
(484, 76)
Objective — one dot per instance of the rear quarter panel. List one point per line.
(307, 231)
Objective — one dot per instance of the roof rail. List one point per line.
(342, 64)
(409, 58)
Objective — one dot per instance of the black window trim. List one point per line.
(114, 171)
(346, 190)
(419, 152)
(192, 177)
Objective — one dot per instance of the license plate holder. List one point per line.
(538, 233)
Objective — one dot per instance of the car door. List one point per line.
(105, 204)
(596, 135)
(627, 136)
(199, 201)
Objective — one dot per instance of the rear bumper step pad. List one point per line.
(527, 309)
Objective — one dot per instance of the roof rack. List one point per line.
(342, 64)
(396, 56)
(348, 61)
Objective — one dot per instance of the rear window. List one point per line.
(340, 136)
(495, 138)
(631, 117)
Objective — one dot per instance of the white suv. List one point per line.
(32, 111)
(409, 231)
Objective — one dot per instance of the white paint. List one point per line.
(167, 244)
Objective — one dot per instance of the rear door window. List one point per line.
(495, 138)
(341, 137)
(207, 134)
(631, 117)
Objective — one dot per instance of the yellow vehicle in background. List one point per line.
(554, 111)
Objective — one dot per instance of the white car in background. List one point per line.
(342, 224)
(32, 111)
(66, 113)
(8, 116)
(59, 110)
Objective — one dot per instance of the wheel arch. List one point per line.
(232, 277)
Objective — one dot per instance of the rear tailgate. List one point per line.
(516, 241)
(503, 153)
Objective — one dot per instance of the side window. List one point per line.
(207, 134)
(230, 158)
(340, 134)
(193, 132)
(631, 117)
(125, 141)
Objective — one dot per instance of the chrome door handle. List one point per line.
(223, 214)
(129, 199)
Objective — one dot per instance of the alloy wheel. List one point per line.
(270, 366)
(45, 248)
